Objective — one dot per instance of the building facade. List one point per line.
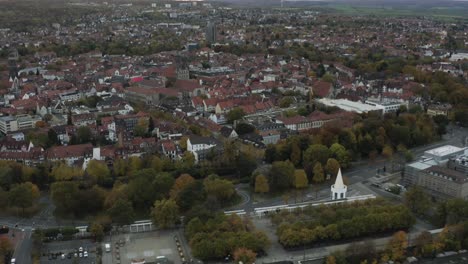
(441, 172)
(211, 35)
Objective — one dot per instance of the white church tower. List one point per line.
(339, 189)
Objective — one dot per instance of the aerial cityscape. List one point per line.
(233, 131)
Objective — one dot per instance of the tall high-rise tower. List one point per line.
(211, 35)
(13, 57)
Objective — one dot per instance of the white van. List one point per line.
(108, 247)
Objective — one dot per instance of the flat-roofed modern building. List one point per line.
(350, 106)
(387, 106)
(440, 172)
(8, 124)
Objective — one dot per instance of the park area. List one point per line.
(340, 222)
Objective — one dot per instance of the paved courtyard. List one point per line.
(138, 246)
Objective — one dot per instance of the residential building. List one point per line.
(121, 127)
(84, 119)
(219, 119)
(169, 149)
(18, 136)
(270, 137)
(200, 147)
(70, 154)
(71, 96)
(437, 109)
(228, 132)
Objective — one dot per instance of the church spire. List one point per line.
(339, 180)
(339, 189)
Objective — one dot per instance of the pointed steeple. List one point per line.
(339, 180)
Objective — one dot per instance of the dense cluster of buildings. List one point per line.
(48, 97)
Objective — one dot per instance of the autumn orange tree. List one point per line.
(6, 248)
(396, 247)
(181, 183)
(244, 255)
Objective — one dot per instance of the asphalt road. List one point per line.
(24, 228)
(24, 247)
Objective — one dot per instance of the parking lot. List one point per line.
(68, 252)
(138, 246)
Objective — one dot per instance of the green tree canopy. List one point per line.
(97, 230)
(235, 114)
(318, 173)
(417, 200)
(341, 155)
(141, 191)
(23, 195)
(83, 135)
(315, 153)
(300, 179)
(63, 172)
(261, 184)
(332, 167)
(165, 213)
(99, 172)
(222, 189)
(121, 212)
(191, 195)
(63, 194)
(281, 176)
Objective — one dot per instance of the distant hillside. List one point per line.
(389, 3)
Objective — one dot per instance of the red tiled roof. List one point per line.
(168, 145)
(226, 105)
(186, 85)
(24, 104)
(321, 88)
(211, 101)
(197, 101)
(151, 91)
(62, 152)
(139, 140)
